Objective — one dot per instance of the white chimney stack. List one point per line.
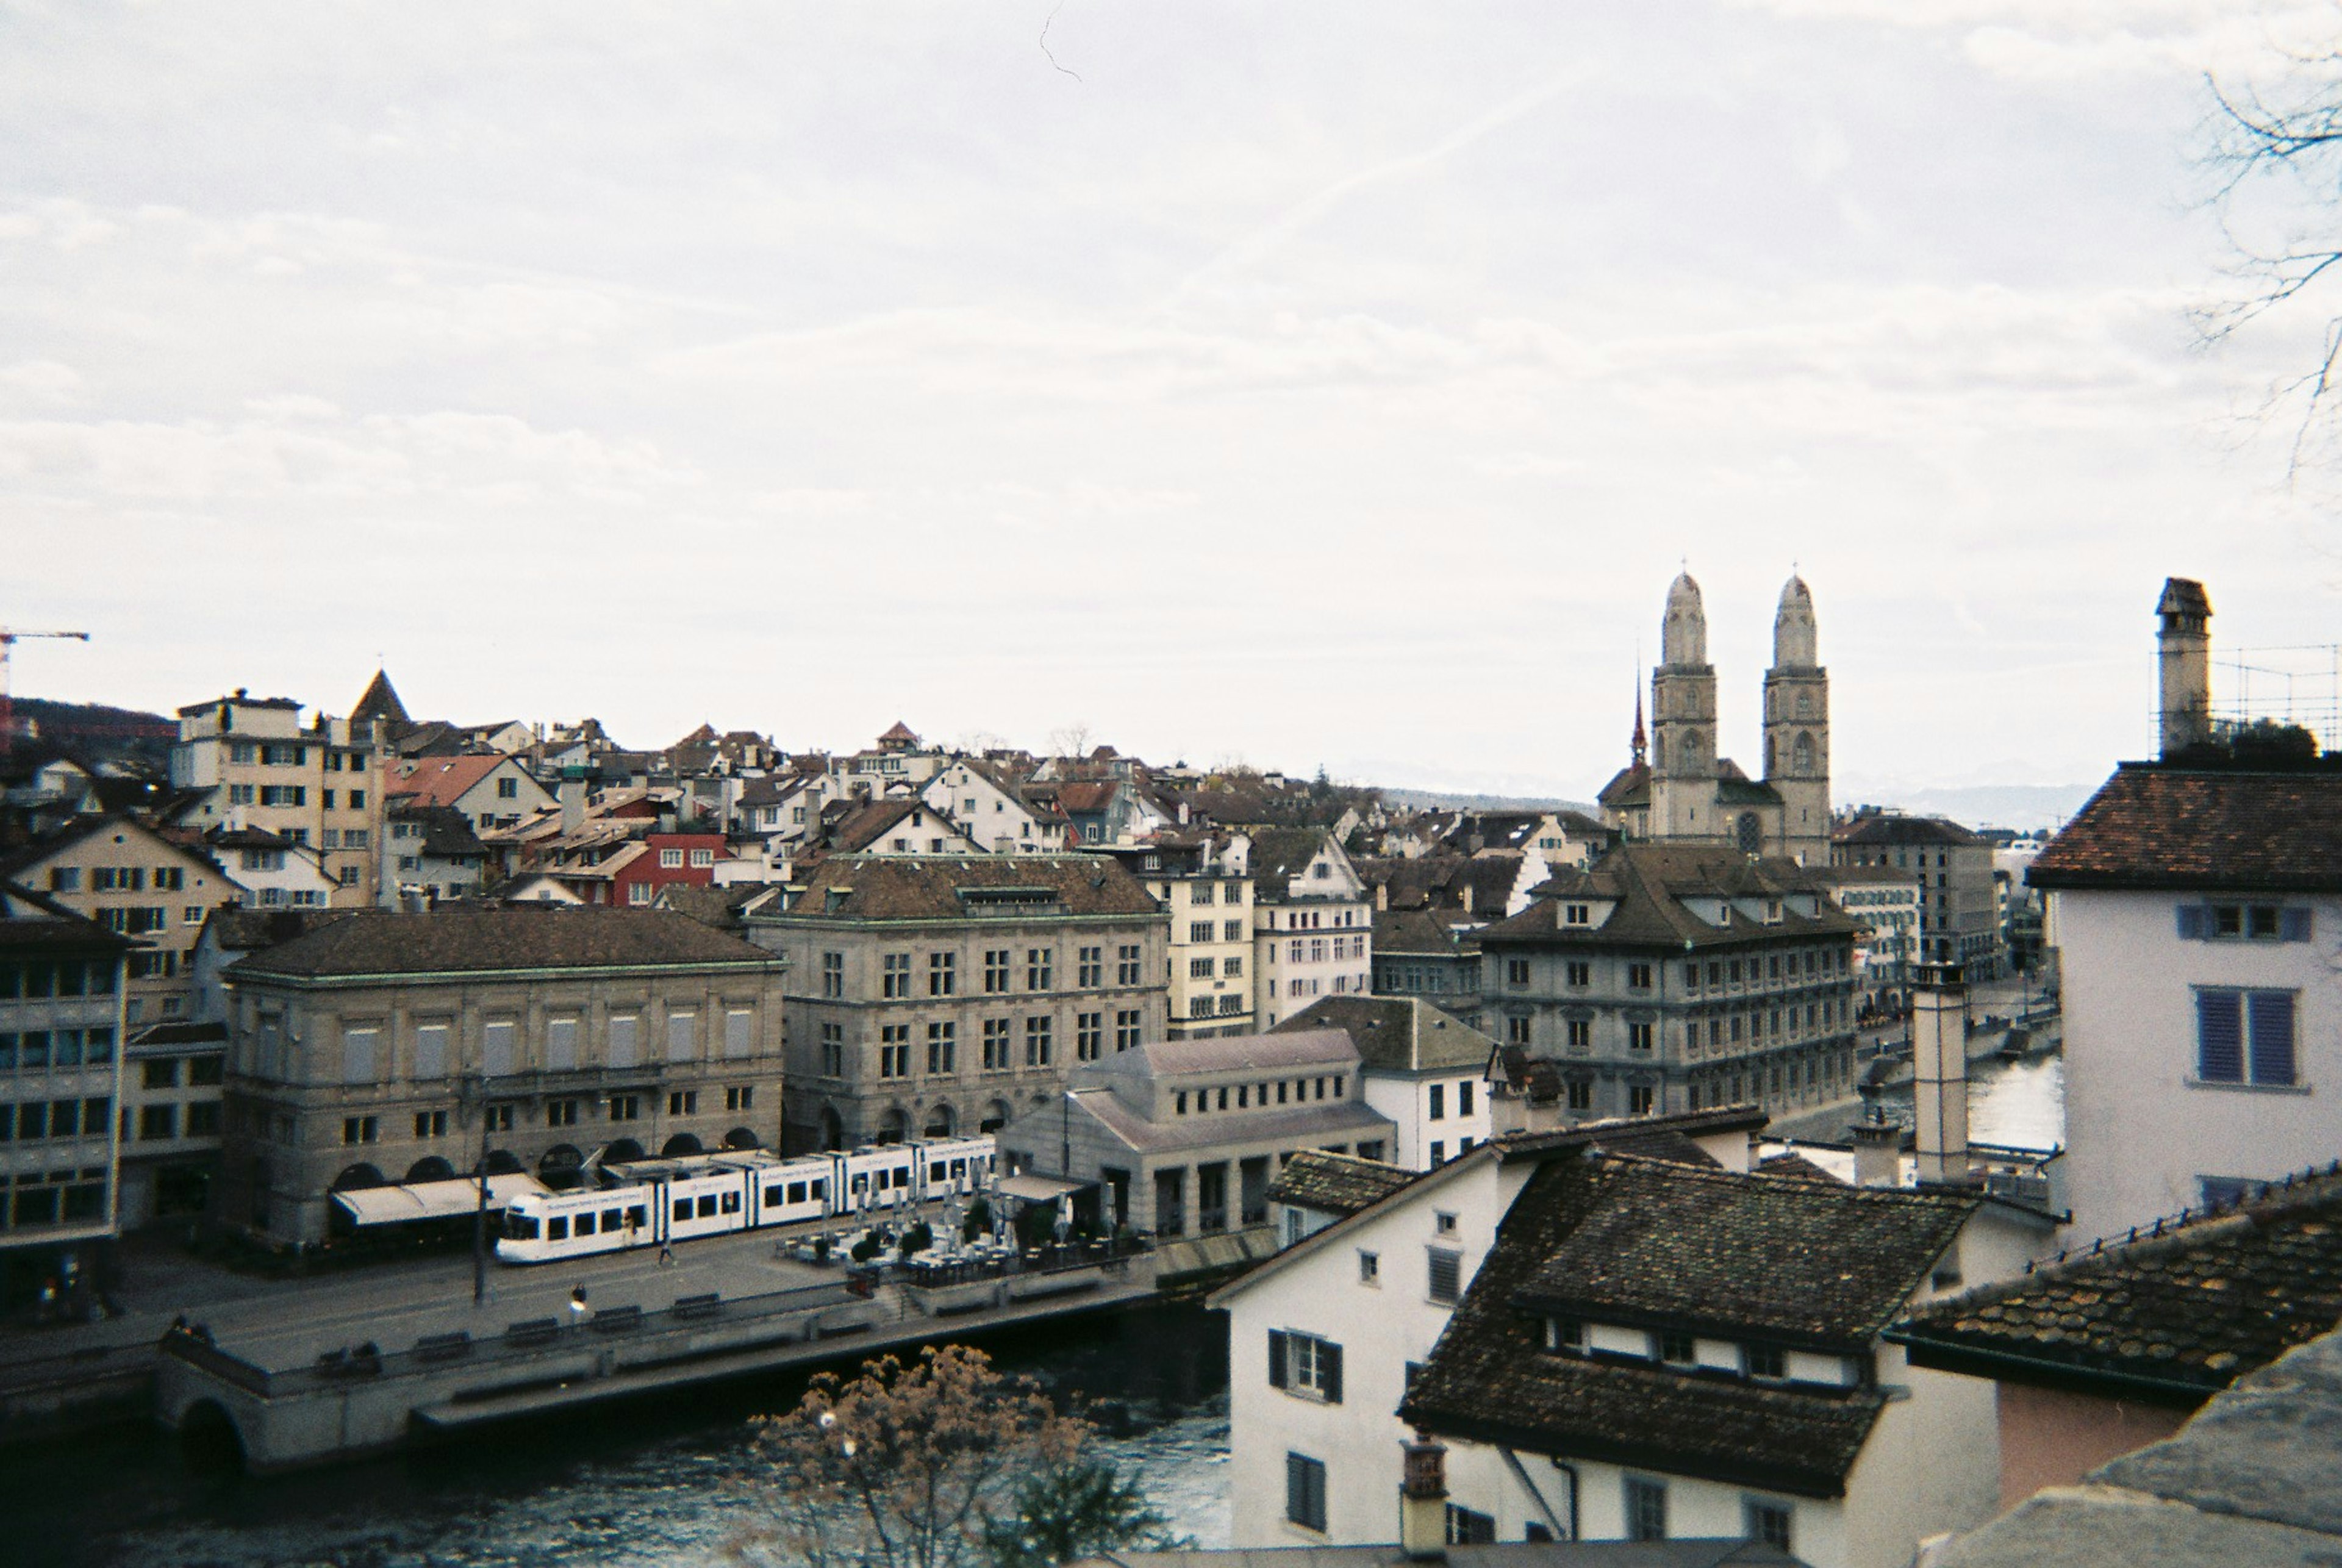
(573, 800)
(1423, 1501)
(1877, 1152)
(1939, 1072)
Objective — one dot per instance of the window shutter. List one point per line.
(1329, 1365)
(2191, 922)
(2219, 1036)
(1296, 1488)
(2292, 925)
(2272, 1036)
(1276, 1378)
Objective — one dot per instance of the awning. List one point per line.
(1034, 1189)
(433, 1199)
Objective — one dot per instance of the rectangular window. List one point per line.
(1436, 1103)
(739, 1031)
(895, 1051)
(561, 1044)
(1089, 1036)
(496, 1048)
(943, 1048)
(358, 1130)
(1090, 972)
(742, 1098)
(1039, 1049)
(683, 1102)
(833, 1050)
(1306, 1364)
(1647, 1509)
(895, 979)
(1202, 891)
(995, 1046)
(1232, 931)
(833, 974)
(1438, 1152)
(1304, 1491)
(1469, 1527)
(943, 973)
(358, 1057)
(156, 1123)
(1581, 1033)
(557, 1114)
(1765, 1362)
(1126, 966)
(1200, 930)
(1464, 1097)
(622, 1108)
(1638, 1036)
(1768, 1523)
(1125, 1029)
(1040, 966)
(1446, 1274)
(624, 1039)
(2244, 1037)
(1642, 1099)
(995, 971)
(1370, 1268)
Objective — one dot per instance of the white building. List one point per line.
(982, 799)
(1313, 923)
(1425, 1070)
(1648, 1348)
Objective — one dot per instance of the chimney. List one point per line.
(1939, 1072)
(2184, 660)
(573, 799)
(1423, 1501)
(1877, 1152)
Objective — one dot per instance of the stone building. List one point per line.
(1960, 910)
(384, 1047)
(1683, 791)
(61, 992)
(1205, 880)
(1671, 978)
(931, 995)
(1182, 1139)
(1313, 923)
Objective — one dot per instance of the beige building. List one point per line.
(387, 1048)
(1205, 883)
(1313, 923)
(934, 996)
(314, 785)
(135, 882)
(60, 1080)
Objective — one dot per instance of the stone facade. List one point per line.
(946, 994)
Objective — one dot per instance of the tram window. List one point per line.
(586, 1223)
(958, 1169)
(731, 1202)
(821, 1190)
(683, 1208)
(521, 1227)
(935, 1171)
(638, 1217)
(609, 1220)
(797, 1192)
(706, 1204)
(772, 1197)
(556, 1229)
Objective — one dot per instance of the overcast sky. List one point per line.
(1290, 381)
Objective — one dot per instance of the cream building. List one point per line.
(1313, 923)
(1206, 885)
(314, 784)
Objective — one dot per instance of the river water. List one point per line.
(629, 1487)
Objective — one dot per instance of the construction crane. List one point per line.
(9, 636)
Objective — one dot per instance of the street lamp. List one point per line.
(476, 1089)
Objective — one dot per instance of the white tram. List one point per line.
(654, 1202)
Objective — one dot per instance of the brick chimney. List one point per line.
(2184, 660)
(1939, 1071)
(1423, 1501)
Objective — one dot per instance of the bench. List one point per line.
(534, 1331)
(698, 1306)
(453, 1346)
(617, 1320)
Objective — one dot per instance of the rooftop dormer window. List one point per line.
(1578, 915)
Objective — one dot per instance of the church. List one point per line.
(1682, 792)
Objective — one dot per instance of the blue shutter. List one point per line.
(2219, 1036)
(2272, 1038)
(1276, 1378)
(1329, 1361)
(2292, 925)
(2191, 922)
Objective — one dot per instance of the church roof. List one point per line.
(1649, 882)
(380, 700)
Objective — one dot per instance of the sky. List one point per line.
(1292, 383)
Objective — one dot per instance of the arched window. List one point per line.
(1749, 833)
(1805, 704)
(895, 1126)
(1802, 753)
(681, 1143)
(940, 1122)
(357, 1179)
(1772, 755)
(833, 1131)
(431, 1168)
(742, 1138)
(996, 1116)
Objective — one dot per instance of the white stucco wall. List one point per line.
(2139, 1132)
(1405, 1098)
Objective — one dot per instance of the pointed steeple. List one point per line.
(380, 700)
(1641, 743)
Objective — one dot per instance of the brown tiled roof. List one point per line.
(1419, 930)
(1281, 853)
(2182, 1313)
(955, 887)
(480, 941)
(438, 780)
(1647, 881)
(1794, 1166)
(870, 823)
(1336, 1183)
(2215, 830)
(30, 920)
(1894, 827)
(1715, 1250)
(237, 928)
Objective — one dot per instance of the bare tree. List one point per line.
(2281, 145)
(1073, 740)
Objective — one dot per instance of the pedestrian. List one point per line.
(578, 1304)
(667, 1256)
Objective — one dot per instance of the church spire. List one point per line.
(1641, 741)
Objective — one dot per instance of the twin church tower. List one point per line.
(1683, 791)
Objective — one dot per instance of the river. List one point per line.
(631, 1486)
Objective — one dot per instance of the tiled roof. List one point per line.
(1282, 1051)
(236, 928)
(1894, 827)
(957, 887)
(2215, 830)
(31, 921)
(1339, 1121)
(478, 940)
(1823, 1267)
(1419, 930)
(1398, 1033)
(867, 824)
(1281, 853)
(1795, 1166)
(438, 780)
(1648, 883)
(1745, 1254)
(2187, 1311)
(1336, 1183)
(446, 831)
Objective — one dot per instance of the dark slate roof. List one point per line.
(2153, 827)
(954, 887)
(718, 904)
(1894, 827)
(1628, 1134)
(1419, 930)
(238, 928)
(1648, 883)
(446, 833)
(179, 1033)
(861, 826)
(31, 921)
(2182, 1313)
(480, 941)
(1627, 787)
(1336, 1183)
(1697, 1248)
(1795, 1166)
(1281, 853)
(1397, 1033)
(1827, 1268)
(380, 700)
